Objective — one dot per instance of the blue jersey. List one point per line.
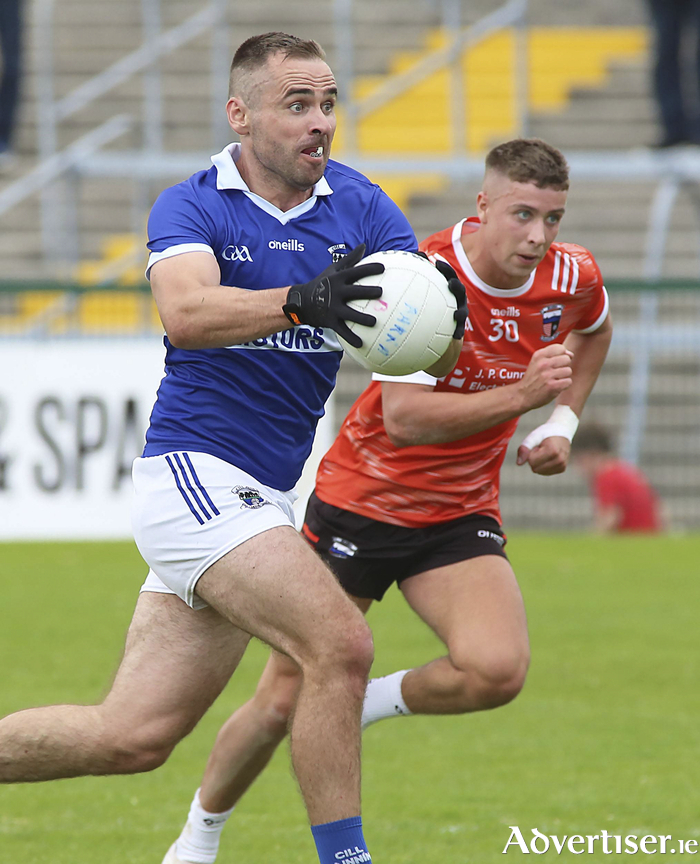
(256, 405)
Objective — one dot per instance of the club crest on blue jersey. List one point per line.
(341, 548)
(340, 250)
(551, 318)
(249, 497)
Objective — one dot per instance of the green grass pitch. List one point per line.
(606, 733)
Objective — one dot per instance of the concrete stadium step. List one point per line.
(676, 478)
(574, 133)
(604, 107)
(631, 82)
(571, 13)
(194, 84)
(407, 21)
(16, 244)
(560, 13)
(670, 443)
(123, 38)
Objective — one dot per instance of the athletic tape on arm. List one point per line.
(562, 423)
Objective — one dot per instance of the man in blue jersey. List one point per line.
(231, 428)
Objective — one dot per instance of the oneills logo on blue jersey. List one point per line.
(551, 318)
(249, 497)
(340, 250)
(291, 245)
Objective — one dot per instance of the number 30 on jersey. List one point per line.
(501, 328)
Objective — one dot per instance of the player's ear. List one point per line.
(237, 112)
(482, 205)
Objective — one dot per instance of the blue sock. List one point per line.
(341, 842)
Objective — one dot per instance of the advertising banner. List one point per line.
(73, 415)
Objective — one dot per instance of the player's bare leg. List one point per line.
(248, 739)
(476, 608)
(176, 662)
(275, 587)
(244, 746)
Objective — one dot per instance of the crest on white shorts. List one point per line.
(249, 497)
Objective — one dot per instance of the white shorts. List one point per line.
(190, 509)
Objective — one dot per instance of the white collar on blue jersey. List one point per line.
(228, 177)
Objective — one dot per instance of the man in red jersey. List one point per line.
(408, 493)
(624, 500)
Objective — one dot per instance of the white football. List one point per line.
(415, 315)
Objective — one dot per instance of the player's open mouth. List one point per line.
(314, 152)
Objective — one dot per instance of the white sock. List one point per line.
(199, 840)
(383, 699)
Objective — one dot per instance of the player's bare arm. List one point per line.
(197, 311)
(448, 360)
(417, 414)
(589, 351)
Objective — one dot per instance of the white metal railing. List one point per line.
(145, 59)
(57, 164)
(59, 213)
(156, 45)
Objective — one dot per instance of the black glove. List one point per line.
(323, 302)
(459, 292)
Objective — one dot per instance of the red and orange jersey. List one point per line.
(418, 486)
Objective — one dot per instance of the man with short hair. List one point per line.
(231, 429)
(408, 493)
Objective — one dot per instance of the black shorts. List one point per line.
(367, 555)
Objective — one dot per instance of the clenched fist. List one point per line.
(547, 375)
(549, 457)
